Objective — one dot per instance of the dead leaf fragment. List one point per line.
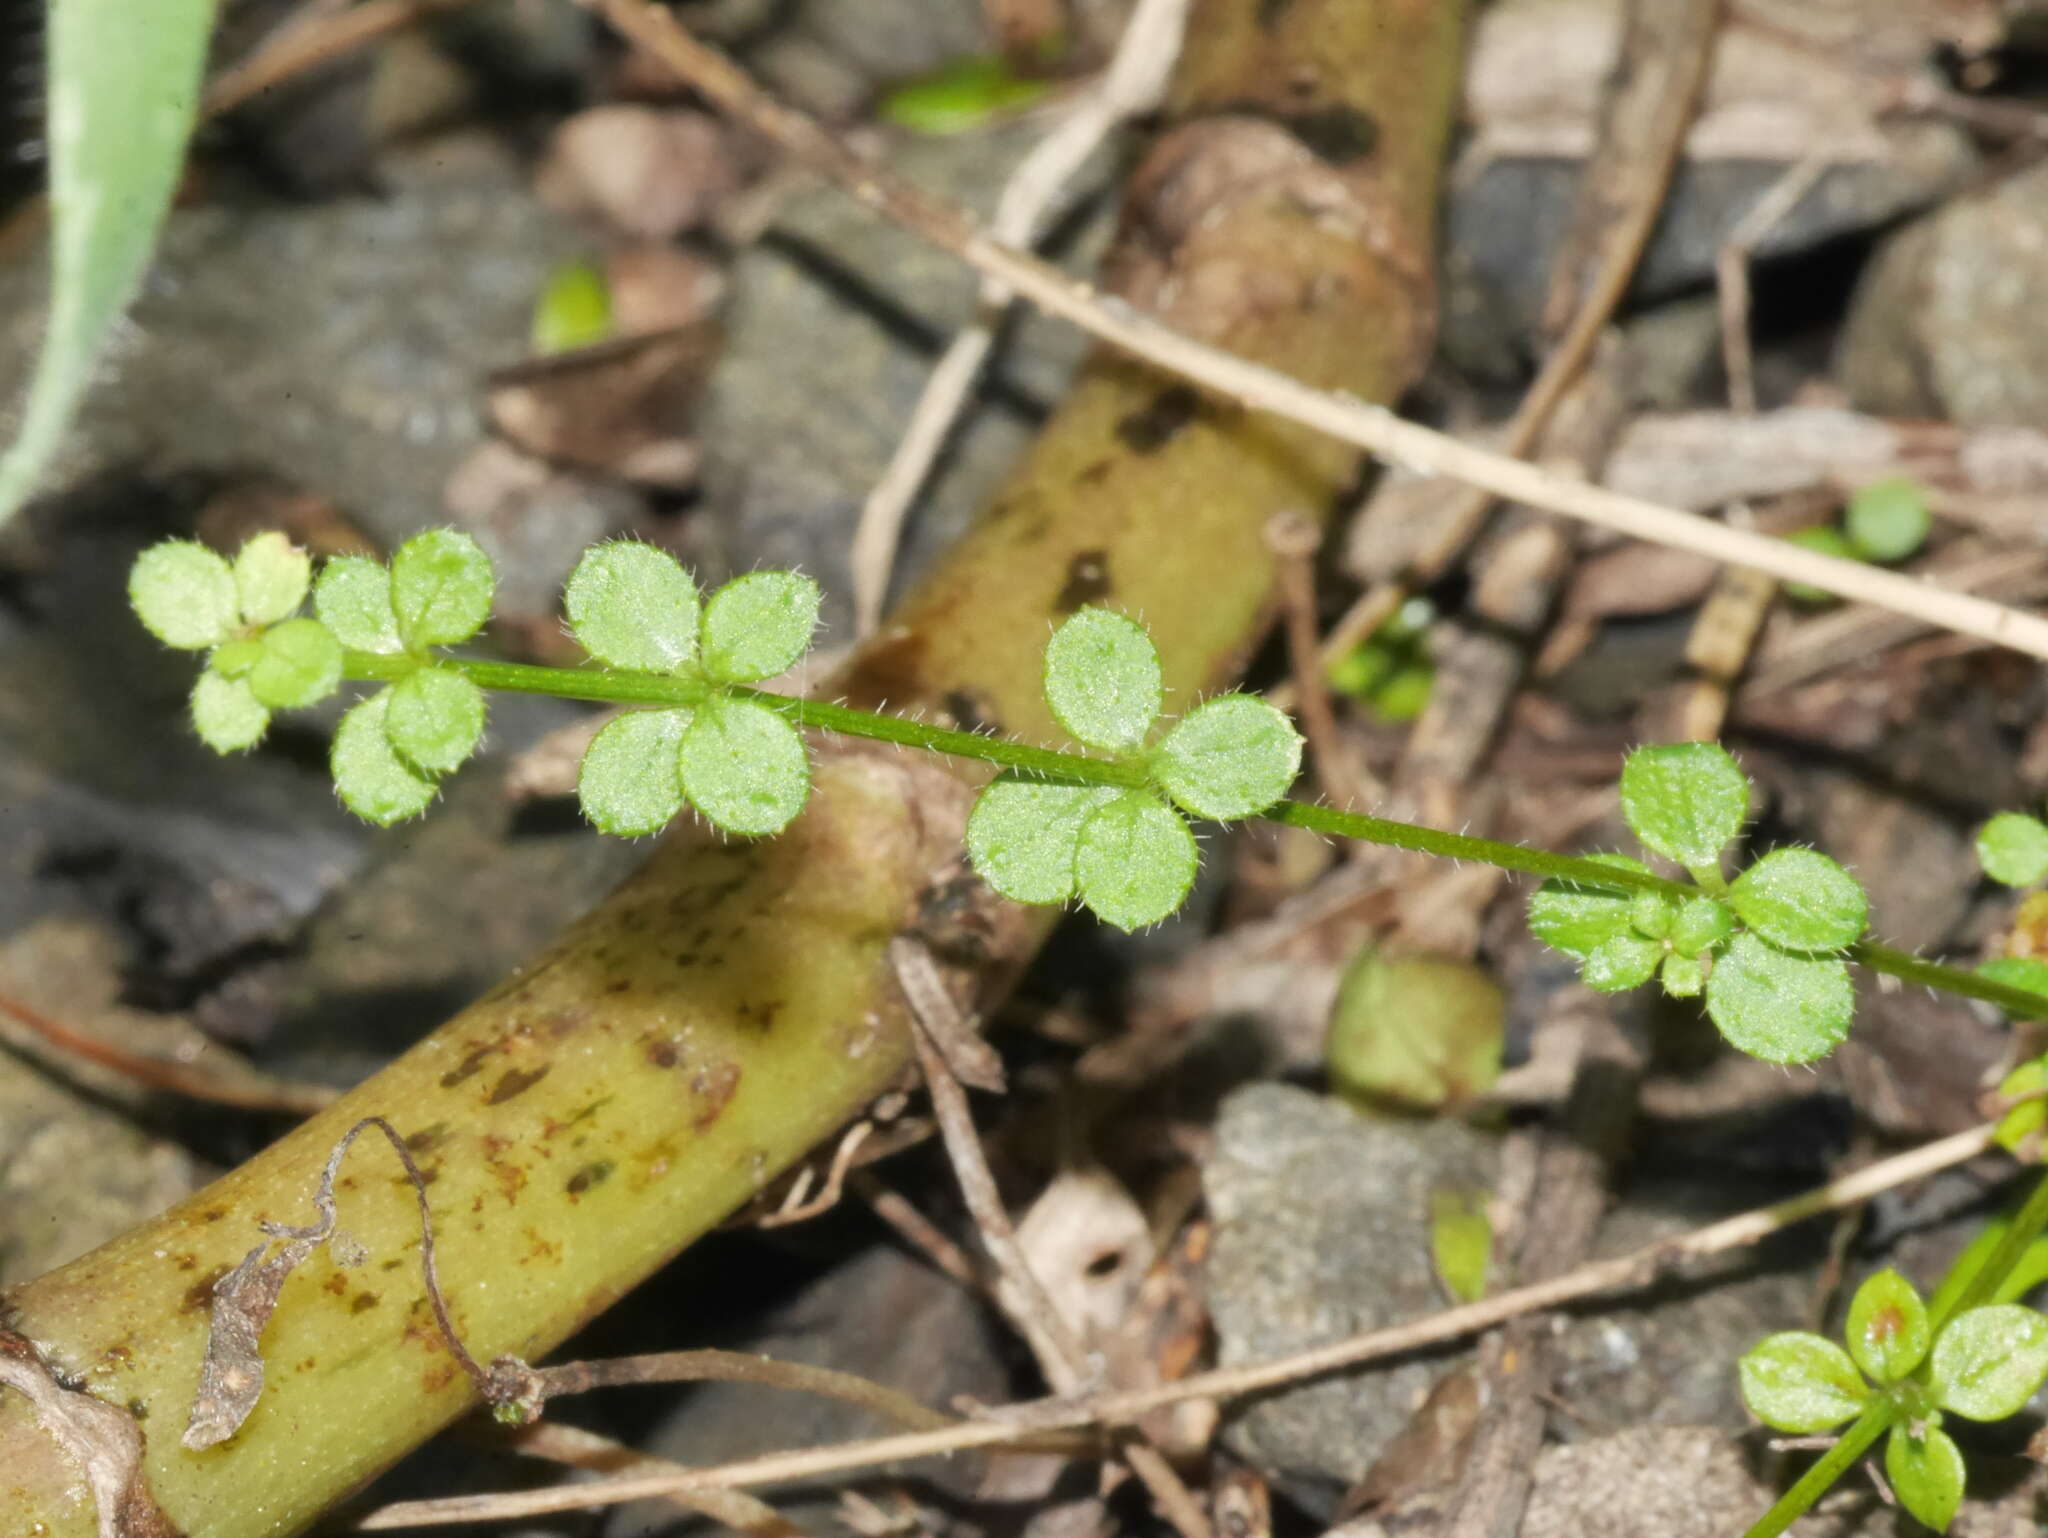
(102, 1439)
(646, 171)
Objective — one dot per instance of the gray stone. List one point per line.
(1322, 1230)
(339, 346)
(1947, 321)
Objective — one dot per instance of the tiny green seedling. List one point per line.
(1982, 1364)
(1883, 523)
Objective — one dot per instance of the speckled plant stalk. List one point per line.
(729, 1007)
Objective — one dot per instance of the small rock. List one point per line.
(650, 172)
(1946, 322)
(1322, 1231)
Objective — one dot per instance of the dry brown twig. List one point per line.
(1632, 1269)
(316, 37)
(1369, 427)
(1731, 272)
(1133, 83)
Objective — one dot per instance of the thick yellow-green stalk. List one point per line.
(730, 1006)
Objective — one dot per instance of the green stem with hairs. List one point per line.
(1829, 1467)
(606, 686)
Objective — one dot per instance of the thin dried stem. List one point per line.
(310, 41)
(1372, 428)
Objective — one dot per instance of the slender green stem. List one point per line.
(1829, 1467)
(601, 684)
(2026, 1227)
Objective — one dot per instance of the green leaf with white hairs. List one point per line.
(441, 588)
(2027, 1087)
(184, 594)
(435, 719)
(2013, 849)
(1651, 915)
(271, 578)
(1578, 919)
(1888, 519)
(123, 89)
(1926, 1473)
(353, 599)
(1102, 679)
(235, 659)
(1988, 1361)
(1022, 835)
(632, 606)
(300, 664)
(758, 625)
(1135, 860)
(226, 713)
(1802, 900)
(2027, 973)
(1781, 1007)
(371, 779)
(1229, 758)
(744, 768)
(1686, 800)
(1683, 977)
(1800, 1382)
(1702, 923)
(630, 781)
(1627, 961)
(1888, 1331)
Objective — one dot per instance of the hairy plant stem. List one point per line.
(1829, 1467)
(604, 685)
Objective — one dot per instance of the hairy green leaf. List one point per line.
(184, 594)
(301, 663)
(2022, 1125)
(631, 779)
(1778, 1006)
(758, 625)
(1135, 860)
(1627, 961)
(1888, 1330)
(631, 606)
(1578, 919)
(1232, 757)
(1888, 519)
(1022, 833)
(1988, 1361)
(353, 599)
(435, 718)
(1651, 915)
(2028, 973)
(1702, 923)
(1802, 900)
(1102, 679)
(744, 767)
(123, 88)
(2013, 848)
(1686, 800)
(271, 578)
(1926, 1473)
(441, 588)
(1800, 1382)
(372, 780)
(1683, 977)
(226, 713)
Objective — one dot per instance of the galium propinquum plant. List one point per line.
(1766, 950)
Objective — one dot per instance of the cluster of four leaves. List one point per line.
(1984, 1365)
(1774, 986)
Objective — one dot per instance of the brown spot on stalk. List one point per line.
(469, 1067)
(716, 1087)
(590, 1175)
(515, 1082)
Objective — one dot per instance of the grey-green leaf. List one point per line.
(1229, 758)
(184, 594)
(630, 781)
(271, 578)
(758, 625)
(632, 606)
(1578, 919)
(1800, 1382)
(441, 588)
(1627, 961)
(226, 714)
(2013, 848)
(1022, 833)
(372, 780)
(1802, 900)
(1686, 800)
(123, 87)
(1781, 1007)
(1988, 1361)
(1102, 679)
(1135, 860)
(435, 718)
(353, 599)
(301, 663)
(1888, 1331)
(744, 768)
(1926, 1473)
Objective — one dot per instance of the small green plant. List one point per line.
(1905, 1369)
(961, 95)
(1390, 672)
(1883, 523)
(1765, 949)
